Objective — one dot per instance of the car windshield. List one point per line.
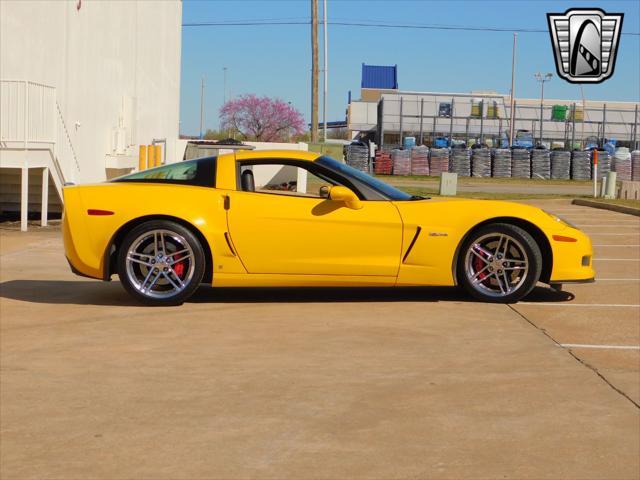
(378, 185)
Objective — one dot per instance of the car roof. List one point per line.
(287, 154)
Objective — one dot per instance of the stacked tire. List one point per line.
(502, 163)
(604, 163)
(357, 156)
(401, 160)
(580, 165)
(560, 164)
(622, 164)
(481, 162)
(420, 160)
(383, 164)
(461, 162)
(635, 165)
(439, 161)
(541, 164)
(520, 163)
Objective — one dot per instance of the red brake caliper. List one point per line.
(178, 267)
(479, 265)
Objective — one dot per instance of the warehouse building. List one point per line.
(387, 115)
(82, 84)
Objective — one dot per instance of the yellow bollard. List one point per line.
(142, 158)
(151, 158)
(158, 154)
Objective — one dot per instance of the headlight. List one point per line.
(561, 220)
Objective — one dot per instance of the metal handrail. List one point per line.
(66, 132)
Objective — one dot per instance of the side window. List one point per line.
(175, 171)
(200, 172)
(283, 179)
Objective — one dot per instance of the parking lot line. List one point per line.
(614, 347)
(614, 245)
(556, 304)
(619, 259)
(618, 279)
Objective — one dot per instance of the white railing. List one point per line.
(27, 112)
(30, 118)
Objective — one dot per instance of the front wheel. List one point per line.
(161, 263)
(499, 263)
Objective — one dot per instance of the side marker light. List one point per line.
(95, 211)
(562, 238)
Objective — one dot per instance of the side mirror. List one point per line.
(343, 194)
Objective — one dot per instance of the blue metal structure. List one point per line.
(379, 76)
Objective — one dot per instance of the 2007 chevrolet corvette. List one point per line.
(282, 218)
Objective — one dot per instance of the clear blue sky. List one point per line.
(275, 60)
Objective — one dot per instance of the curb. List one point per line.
(607, 206)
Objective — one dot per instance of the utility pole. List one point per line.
(326, 72)
(584, 111)
(314, 70)
(542, 78)
(201, 107)
(224, 73)
(513, 90)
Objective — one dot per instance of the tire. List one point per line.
(160, 263)
(499, 263)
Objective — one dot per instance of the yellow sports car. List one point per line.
(283, 218)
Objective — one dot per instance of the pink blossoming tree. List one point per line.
(262, 119)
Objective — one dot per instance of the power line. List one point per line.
(365, 24)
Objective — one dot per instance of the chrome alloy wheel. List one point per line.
(496, 264)
(160, 264)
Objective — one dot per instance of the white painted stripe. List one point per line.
(618, 280)
(611, 347)
(619, 259)
(610, 225)
(583, 211)
(559, 304)
(612, 234)
(615, 245)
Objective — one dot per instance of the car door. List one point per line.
(283, 225)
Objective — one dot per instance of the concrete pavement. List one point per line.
(299, 383)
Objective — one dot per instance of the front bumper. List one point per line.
(572, 261)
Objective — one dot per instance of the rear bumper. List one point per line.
(76, 271)
(73, 256)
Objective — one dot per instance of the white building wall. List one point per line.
(113, 64)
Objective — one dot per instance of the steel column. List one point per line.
(604, 123)
(635, 128)
(381, 110)
(481, 122)
(573, 125)
(44, 206)
(24, 199)
(466, 133)
(421, 121)
(433, 131)
(401, 102)
(451, 124)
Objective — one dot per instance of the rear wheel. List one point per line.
(160, 263)
(499, 263)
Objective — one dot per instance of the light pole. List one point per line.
(513, 90)
(201, 107)
(542, 78)
(325, 72)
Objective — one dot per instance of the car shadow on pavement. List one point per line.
(73, 292)
(112, 294)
